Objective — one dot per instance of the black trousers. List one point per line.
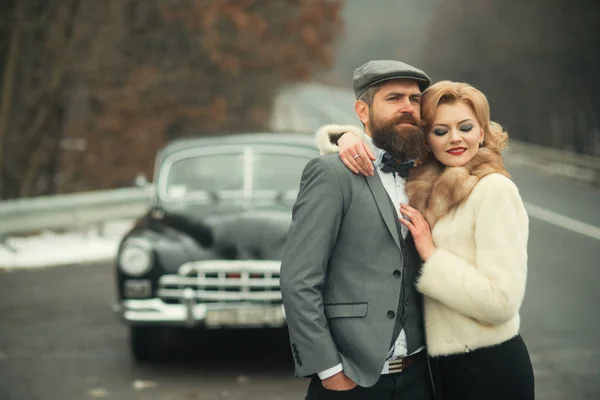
(411, 384)
(501, 372)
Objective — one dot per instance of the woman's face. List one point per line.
(455, 134)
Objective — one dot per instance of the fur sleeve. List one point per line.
(492, 290)
(323, 136)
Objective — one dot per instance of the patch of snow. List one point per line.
(54, 249)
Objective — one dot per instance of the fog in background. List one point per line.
(382, 29)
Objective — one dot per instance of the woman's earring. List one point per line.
(481, 144)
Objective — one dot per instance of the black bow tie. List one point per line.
(389, 164)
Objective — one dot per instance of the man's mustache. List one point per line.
(406, 119)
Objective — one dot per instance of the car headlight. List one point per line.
(136, 257)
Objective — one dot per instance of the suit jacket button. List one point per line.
(391, 314)
(397, 273)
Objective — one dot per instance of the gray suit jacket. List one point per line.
(337, 282)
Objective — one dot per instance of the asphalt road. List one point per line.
(561, 311)
(60, 340)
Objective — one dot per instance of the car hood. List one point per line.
(231, 233)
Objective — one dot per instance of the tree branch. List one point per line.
(8, 81)
(61, 42)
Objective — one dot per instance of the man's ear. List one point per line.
(362, 110)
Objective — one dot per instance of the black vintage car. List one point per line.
(207, 254)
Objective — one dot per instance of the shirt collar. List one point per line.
(377, 152)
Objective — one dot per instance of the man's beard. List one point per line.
(401, 141)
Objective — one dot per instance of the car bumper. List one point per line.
(210, 315)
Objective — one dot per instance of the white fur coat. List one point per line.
(474, 283)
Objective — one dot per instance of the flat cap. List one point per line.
(377, 71)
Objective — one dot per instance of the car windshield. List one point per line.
(247, 172)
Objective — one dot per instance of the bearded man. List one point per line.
(354, 316)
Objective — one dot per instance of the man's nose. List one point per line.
(406, 107)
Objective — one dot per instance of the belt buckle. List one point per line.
(395, 366)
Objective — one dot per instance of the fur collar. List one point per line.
(324, 134)
(436, 190)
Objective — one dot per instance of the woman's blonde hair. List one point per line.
(447, 92)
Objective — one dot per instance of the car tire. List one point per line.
(148, 343)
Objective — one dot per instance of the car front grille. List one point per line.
(224, 281)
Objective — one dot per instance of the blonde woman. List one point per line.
(471, 230)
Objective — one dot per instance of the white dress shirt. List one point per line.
(394, 186)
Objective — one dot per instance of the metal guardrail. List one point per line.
(565, 163)
(72, 210)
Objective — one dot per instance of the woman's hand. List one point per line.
(419, 228)
(356, 155)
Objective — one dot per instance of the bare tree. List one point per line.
(94, 88)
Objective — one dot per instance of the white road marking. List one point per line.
(564, 222)
(141, 385)
(99, 392)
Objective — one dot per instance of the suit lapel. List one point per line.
(383, 203)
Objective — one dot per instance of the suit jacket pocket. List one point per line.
(346, 310)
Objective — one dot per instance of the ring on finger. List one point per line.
(356, 156)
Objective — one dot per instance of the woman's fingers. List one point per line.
(369, 152)
(406, 223)
(414, 216)
(409, 224)
(350, 155)
(362, 160)
(409, 208)
(366, 159)
(348, 164)
(414, 229)
(411, 212)
(356, 153)
(408, 213)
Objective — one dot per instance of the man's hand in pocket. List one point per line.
(338, 381)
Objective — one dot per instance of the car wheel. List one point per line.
(148, 343)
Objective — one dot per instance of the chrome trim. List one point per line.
(225, 282)
(202, 286)
(207, 295)
(209, 282)
(248, 172)
(156, 312)
(272, 266)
